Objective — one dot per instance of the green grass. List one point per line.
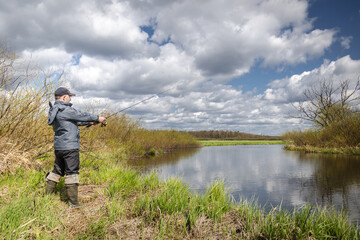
(24, 211)
(129, 204)
(239, 142)
(331, 150)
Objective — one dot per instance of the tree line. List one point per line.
(229, 135)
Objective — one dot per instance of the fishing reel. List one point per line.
(103, 124)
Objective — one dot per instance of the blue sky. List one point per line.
(231, 65)
(344, 16)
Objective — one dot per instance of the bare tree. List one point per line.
(326, 103)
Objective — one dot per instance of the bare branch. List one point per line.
(325, 103)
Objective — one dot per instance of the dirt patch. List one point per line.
(76, 220)
(131, 229)
(3, 192)
(229, 227)
(138, 228)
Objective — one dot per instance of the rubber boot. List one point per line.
(63, 195)
(50, 187)
(72, 195)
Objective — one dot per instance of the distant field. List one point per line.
(239, 142)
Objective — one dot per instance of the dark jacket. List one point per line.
(65, 121)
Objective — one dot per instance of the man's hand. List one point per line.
(101, 119)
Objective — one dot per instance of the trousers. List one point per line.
(67, 162)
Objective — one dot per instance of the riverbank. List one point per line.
(311, 149)
(239, 142)
(122, 203)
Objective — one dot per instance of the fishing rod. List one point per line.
(103, 124)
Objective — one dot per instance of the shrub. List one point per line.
(341, 133)
(303, 138)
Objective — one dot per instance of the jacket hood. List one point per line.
(54, 109)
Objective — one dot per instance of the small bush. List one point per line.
(344, 133)
(303, 138)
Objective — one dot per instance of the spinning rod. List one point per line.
(103, 124)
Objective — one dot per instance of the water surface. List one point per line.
(269, 174)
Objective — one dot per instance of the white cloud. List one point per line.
(50, 58)
(138, 76)
(345, 42)
(226, 39)
(291, 89)
(101, 28)
(223, 40)
(269, 112)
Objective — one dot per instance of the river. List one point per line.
(268, 174)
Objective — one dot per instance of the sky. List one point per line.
(235, 65)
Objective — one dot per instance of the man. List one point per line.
(65, 121)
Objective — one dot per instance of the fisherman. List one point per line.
(65, 121)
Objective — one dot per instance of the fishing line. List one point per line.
(103, 124)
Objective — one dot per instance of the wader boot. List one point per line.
(50, 187)
(72, 195)
(63, 195)
(52, 179)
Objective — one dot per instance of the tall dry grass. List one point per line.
(24, 91)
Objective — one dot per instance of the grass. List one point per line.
(331, 150)
(122, 203)
(239, 142)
